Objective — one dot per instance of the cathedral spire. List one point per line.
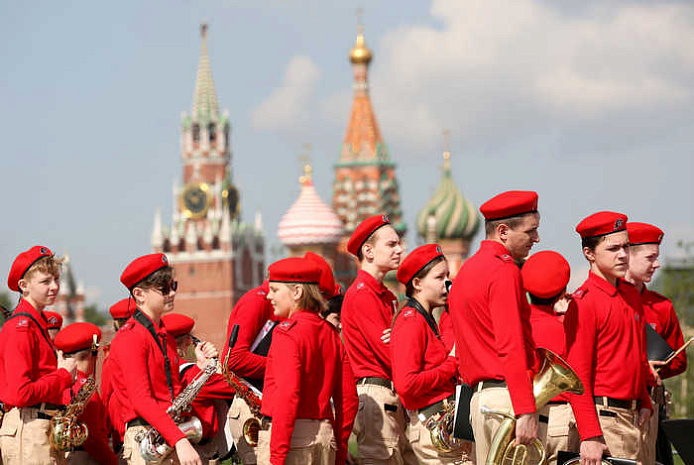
(205, 104)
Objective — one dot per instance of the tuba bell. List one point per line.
(554, 377)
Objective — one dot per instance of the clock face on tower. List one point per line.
(195, 200)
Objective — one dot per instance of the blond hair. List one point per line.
(49, 265)
(311, 299)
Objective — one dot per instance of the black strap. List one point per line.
(427, 316)
(149, 326)
(43, 333)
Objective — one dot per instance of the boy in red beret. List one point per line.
(367, 315)
(145, 361)
(80, 341)
(644, 250)
(609, 353)
(55, 322)
(33, 373)
(491, 320)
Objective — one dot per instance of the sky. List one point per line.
(589, 103)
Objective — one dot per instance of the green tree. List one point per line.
(7, 304)
(93, 315)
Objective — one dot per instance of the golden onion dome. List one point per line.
(360, 53)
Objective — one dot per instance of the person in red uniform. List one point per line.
(332, 292)
(215, 389)
(144, 361)
(424, 372)
(545, 277)
(33, 373)
(307, 375)
(644, 250)
(254, 315)
(608, 353)
(55, 322)
(367, 315)
(80, 342)
(491, 320)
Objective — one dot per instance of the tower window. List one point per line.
(196, 132)
(212, 130)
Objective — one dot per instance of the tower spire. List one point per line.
(205, 104)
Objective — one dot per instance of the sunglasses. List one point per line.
(166, 289)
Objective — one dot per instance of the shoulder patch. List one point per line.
(286, 325)
(126, 326)
(579, 293)
(506, 258)
(262, 292)
(408, 313)
(23, 324)
(360, 285)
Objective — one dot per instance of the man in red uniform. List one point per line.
(79, 341)
(55, 322)
(253, 314)
(367, 312)
(490, 319)
(34, 375)
(608, 353)
(644, 249)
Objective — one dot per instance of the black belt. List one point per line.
(436, 407)
(376, 381)
(490, 383)
(617, 403)
(136, 422)
(47, 410)
(43, 416)
(543, 418)
(557, 402)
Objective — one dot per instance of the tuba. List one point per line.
(66, 432)
(554, 377)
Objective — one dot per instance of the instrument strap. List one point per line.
(427, 316)
(149, 326)
(43, 333)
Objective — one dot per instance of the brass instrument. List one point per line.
(252, 426)
(153, 448)
(554, 377)
(66, 432)
(441, 430)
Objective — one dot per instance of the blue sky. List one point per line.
(590, 105)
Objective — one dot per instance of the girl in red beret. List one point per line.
(307, 375)
(424, 372)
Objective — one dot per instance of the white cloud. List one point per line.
(287, 107)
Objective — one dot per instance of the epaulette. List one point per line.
(286, 325)
(506, 258)
(579, 293)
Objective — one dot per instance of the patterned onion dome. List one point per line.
(309, 220)
(456, 217)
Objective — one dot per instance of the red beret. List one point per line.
(644, 233)
(327, 280)
(416, 260)
(55, 320)
(23, 262)
(601, 224)
(142, 267)
(509, 204)
(178, 324)
(364, 230)
(76, 337)
(123, 308)
(295, 270)
(545, 274)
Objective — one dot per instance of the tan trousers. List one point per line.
(24, 439)
(621, 432)
(561, 432)
(380, 428)
(131, 450)
(239, 412)
(313, 443)
(649, 436)
(420, 440)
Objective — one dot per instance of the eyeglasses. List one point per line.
(166, 289)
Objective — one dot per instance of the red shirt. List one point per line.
(204, 405)
(251, 313)
(115, 421)
(367, 310)
(660, 314)
(491, 321)
(423, 373)
(94, 416)
(28, 363)
(139, 378)
(306, 368)
(608, 353)
(446, 330)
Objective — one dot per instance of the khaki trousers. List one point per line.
(131, 450)
(380, 428)
(312, 443)
(239, 412)
(24, 439)
(561, 432)
(427, 454)
(649, 435)
(621, 432)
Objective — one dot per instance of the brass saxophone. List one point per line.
(66, 432)
(441, 430)
(252, 426)
(153, 448)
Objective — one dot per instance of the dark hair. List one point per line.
(535, 300)
(334, 306)
(157, 279)
(409, 289)
(512, 222)
(591, 242)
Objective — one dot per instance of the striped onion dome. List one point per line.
(309, 220)
(456, 217)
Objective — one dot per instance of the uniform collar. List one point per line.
(370, 281)
(602, 284)
(305, 315)
(495, 247)
(161, 329)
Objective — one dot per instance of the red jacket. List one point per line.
(367, 310)
(139, 378)
(113, 408)
(204, 404)
(423, 373)
(94, 416)
(251, 313)
(446, 330)
(28, 362)
(306, 368)
(660, 314)
(491, 321)
(608, 353)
